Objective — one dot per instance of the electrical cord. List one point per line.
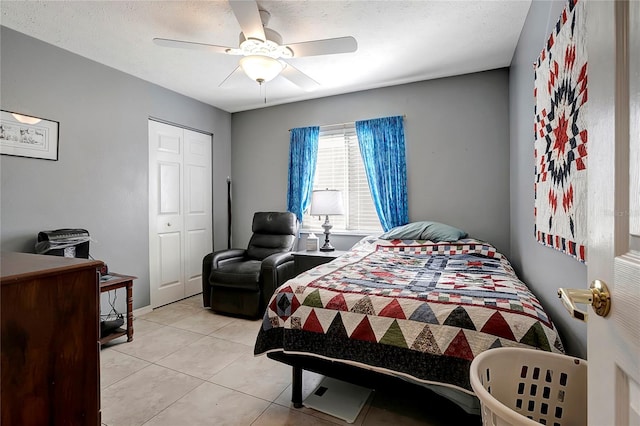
(113, 313)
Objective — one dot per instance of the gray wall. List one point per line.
(100, 181)
(457, 142)
(543, 269)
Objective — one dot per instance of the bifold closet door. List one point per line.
(180, 220)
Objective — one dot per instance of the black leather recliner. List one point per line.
(241, 281)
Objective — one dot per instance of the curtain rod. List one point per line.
(404, 116)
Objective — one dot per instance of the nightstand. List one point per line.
(305, 260)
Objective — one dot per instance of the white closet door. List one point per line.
(179, 211)
(197, 207)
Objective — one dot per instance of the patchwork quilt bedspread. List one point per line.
(417, 309)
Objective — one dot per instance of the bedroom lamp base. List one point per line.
(327, 227)
(327, 247)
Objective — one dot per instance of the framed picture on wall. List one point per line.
(26, 136)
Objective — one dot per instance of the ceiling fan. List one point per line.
(264, 55)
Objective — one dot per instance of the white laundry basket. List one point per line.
(530, 387)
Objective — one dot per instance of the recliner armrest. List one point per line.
(275, 270)
(214, 260)
(222, 256)
(276, 260)
(206, 289)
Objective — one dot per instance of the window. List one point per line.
(339, 166)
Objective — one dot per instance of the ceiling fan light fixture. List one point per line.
(261, 68)
(272, 46)
(264, 56)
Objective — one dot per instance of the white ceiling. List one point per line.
(398, 41)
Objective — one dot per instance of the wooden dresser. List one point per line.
(50, 313)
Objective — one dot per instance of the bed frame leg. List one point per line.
(296, 387)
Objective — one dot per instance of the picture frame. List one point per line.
(27, 136)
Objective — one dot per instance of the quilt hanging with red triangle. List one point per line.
(560, 129)
(419, 309)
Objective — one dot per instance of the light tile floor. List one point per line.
(189, 366)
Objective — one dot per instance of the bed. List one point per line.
(417, 311)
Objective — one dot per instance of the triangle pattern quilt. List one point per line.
(418, 308)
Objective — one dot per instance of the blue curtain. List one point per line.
(381, 143)
(303, 152)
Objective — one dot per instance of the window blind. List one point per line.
(339, 166)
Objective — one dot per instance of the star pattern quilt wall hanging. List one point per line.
(560, 127)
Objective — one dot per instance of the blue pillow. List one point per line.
(426, 230)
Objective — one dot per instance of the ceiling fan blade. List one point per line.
(231, 80)
(324, 47)
(248, 17)
(166, 42)
(299, 78)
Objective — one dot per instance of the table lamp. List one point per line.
(326, 202)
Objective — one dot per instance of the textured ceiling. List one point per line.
(398, 42)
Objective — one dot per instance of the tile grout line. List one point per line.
(208, 380)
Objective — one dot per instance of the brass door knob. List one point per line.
(597, 296)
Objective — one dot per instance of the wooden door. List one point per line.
(614, 209)
(180, 225)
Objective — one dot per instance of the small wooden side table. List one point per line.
(120, 281)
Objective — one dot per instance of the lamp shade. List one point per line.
(261, 68)
(326, 202)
